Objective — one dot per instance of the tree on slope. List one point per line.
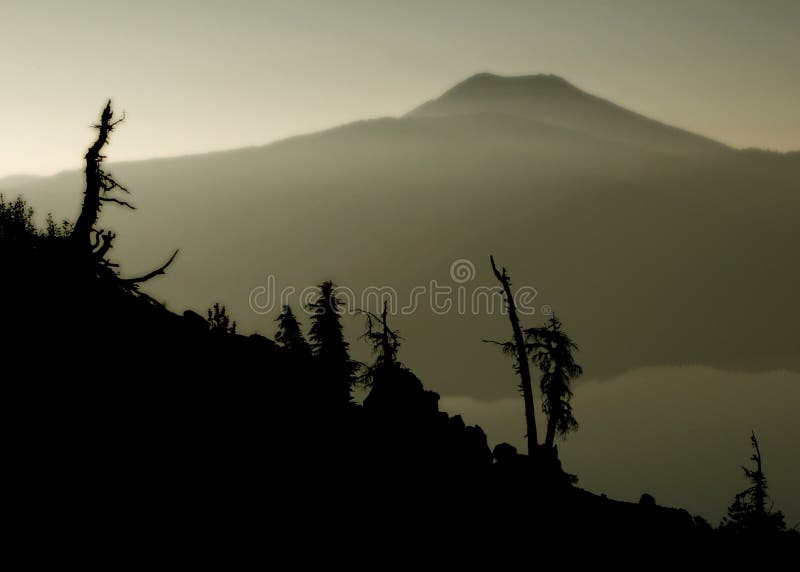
(329, 346)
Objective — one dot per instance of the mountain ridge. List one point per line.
(552, 99)
(551, 82)
(634, 217)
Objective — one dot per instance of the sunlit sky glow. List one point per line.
(203, 75)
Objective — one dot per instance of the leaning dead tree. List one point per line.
(518, 348)
(102, 188)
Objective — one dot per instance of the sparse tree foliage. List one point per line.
(385, 343)
(17, 226)
(550, 349)
(16, 221)
(219, 322)
(57, 230)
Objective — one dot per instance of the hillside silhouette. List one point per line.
(184, 410)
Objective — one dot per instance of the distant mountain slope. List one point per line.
(649, 257)
(551, 99)
(17, 181)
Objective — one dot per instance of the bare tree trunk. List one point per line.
(522, 359)
(550, 438)
(759, 492)
(82, 232)
(92, 242)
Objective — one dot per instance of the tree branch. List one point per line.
(119, 202)
(154, 273)
(106, 240)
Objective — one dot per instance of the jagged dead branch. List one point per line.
(384, 341)
(117, 201)
(99, 184)
(158, 271)
(103, 245)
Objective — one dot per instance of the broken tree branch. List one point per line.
(117, 201)
(158, 271)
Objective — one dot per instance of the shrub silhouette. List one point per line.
(219, 323)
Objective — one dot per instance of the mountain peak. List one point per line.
(491, 92)
(550, 99)
(488, 85)
(533, 80)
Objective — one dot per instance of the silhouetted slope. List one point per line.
(178, 414)
(551, 99)
(160, 415)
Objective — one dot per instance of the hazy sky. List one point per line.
(196, 75)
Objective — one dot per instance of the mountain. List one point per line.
(17, 181)
(552, 100)
(656, 247)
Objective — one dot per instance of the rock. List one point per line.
(194, 321)
(504, 452)
(647, 500)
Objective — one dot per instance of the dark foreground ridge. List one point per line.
(124, 409)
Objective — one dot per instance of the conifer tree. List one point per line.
(328, 344)
(290, 335)
(550, 349)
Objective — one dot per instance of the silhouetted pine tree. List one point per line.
(749, 512)
(290, 336)
(330, 349)
(550, 349)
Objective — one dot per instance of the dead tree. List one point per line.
(92, 242)
(749, 512)
(98, 186)
(385, 343)
(518, 348)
